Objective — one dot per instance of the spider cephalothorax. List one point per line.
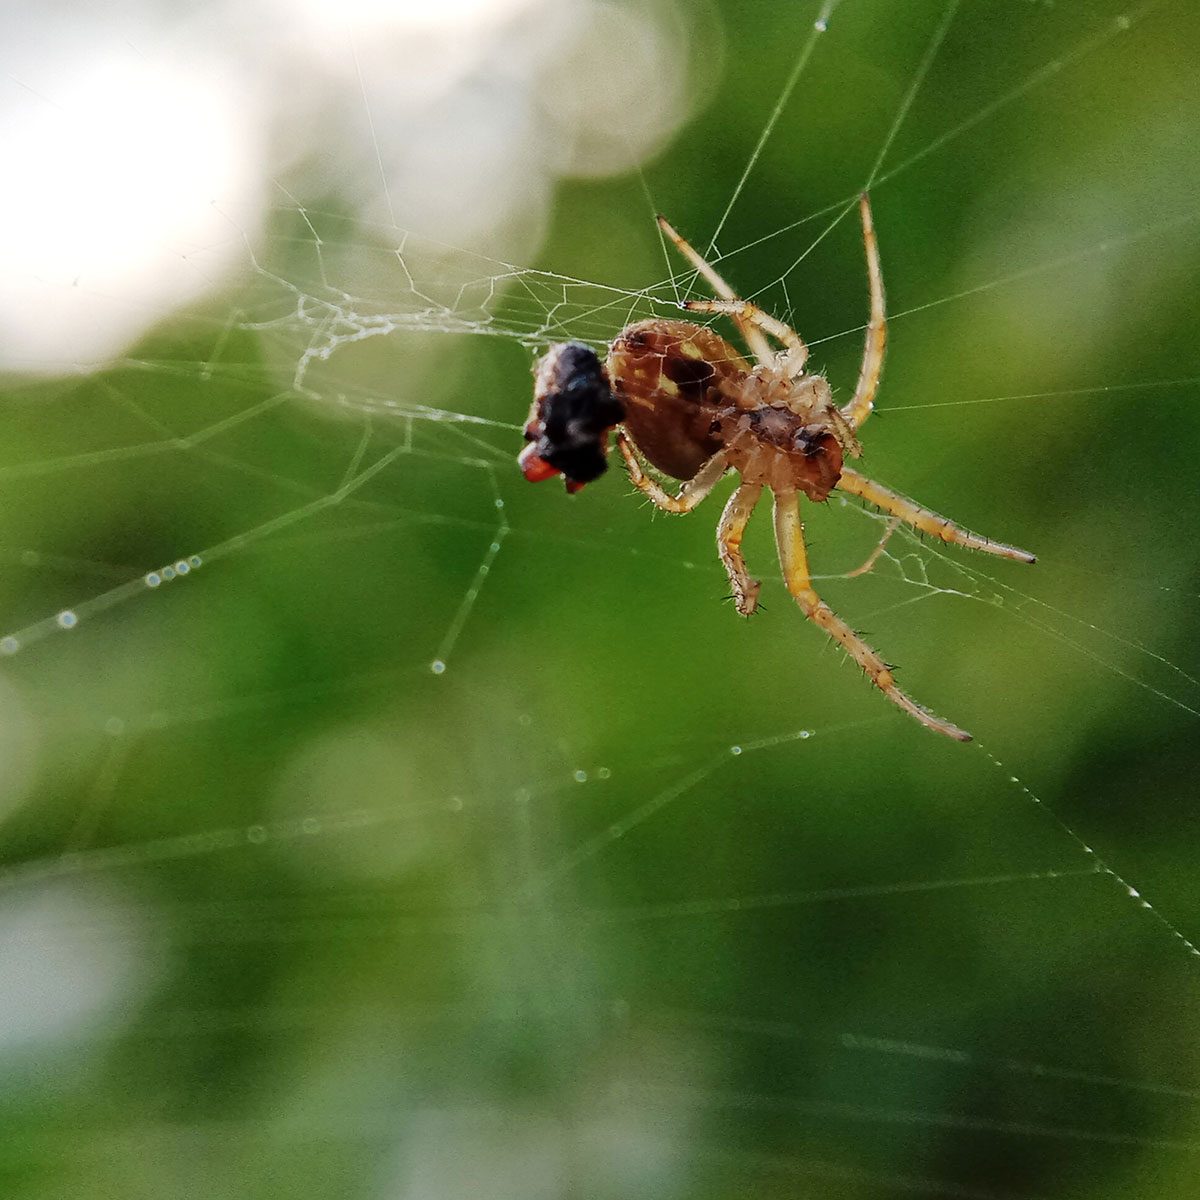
(694, 408)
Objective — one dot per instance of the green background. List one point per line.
(528, 927)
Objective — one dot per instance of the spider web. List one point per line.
(391, 828)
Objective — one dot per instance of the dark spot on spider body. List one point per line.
(671, 376)
(813, 440)
(693, 376)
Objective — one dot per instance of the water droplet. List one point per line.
(9, 645)
(495, 546)
(195, 561)
(182, 568)
(603, 773)
(821, 25)
(499, 503)
(437, 666)
(67, 619)
(1134, 894)
(580, 777)
(806, 733)
(153, 579)
(735, 749)
(168, 573)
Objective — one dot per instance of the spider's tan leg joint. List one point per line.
(692, 492)
(730, 531)
(844, 432)
(744, 312)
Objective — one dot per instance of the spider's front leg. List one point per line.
(793, 558)
(753, 336)
(746, 314)
(688, 496)
(862, 404)
(729, 545)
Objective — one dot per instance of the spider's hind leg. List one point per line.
(925, 519)
(688, 496)
(789, 536)
(730, 530)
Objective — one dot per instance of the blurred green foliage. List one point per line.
(528, 928)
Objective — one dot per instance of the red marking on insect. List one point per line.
(534, 467)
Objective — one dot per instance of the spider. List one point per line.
(683, 399)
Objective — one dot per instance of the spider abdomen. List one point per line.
(673, 378)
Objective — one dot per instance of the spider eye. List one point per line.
(573, 411)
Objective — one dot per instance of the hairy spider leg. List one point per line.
(688, 496)
(753, 337)
(845, 433)
(861, 406)
(793, 557)
(925, 519)
(730, 531)
(744, 312)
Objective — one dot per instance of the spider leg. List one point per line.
(753, 337)
(745, 312)
(793, 557)
(868, 565)
(692, 492)
(925, 519)
(845, 434)
(859, 408)
(730, 530)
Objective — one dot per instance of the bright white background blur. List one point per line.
(144, 147)
(629, 899)
(144, 144)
